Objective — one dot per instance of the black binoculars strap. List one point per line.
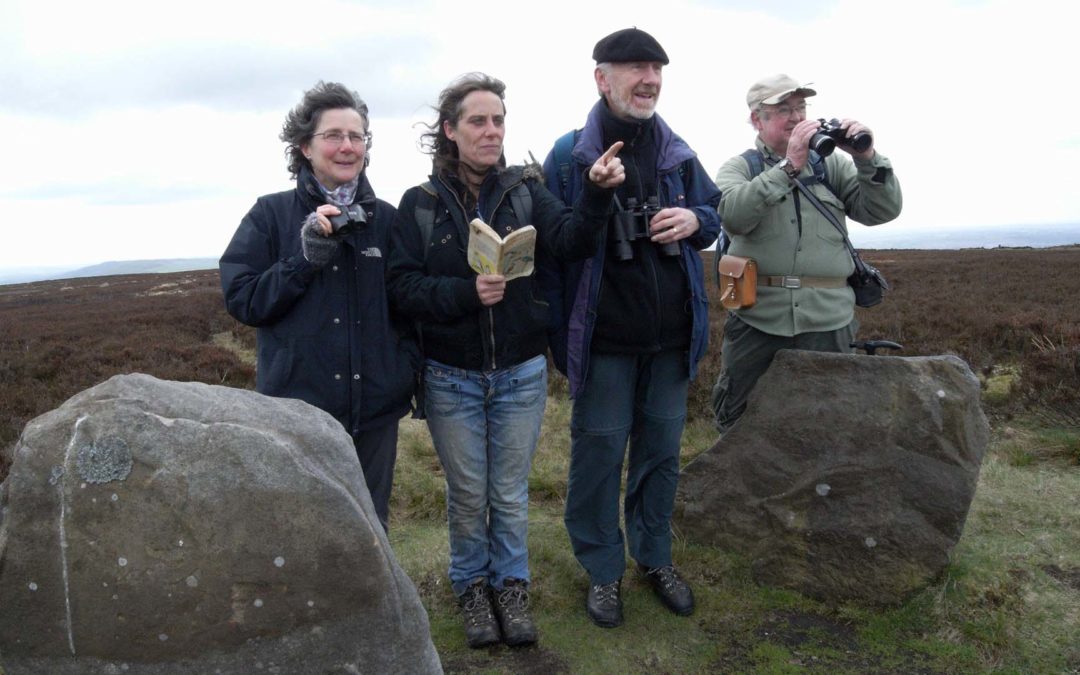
(859, 266)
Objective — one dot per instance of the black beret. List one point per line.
(629, 44)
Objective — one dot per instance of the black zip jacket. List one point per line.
(325, 336)
(439, 290)
(644, 302)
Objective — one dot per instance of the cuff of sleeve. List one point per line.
(878, 160)
(467, 295)
(594, 199)
(299, 265)
(876, 169)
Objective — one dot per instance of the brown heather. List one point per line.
(1002, 310)
(58, 338)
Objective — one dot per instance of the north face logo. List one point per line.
(371, 252)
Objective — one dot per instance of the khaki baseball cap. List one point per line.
(774, 89)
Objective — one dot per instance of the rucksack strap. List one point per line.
(521, 201)
(756, 162)
(426, 201)
(564, 146)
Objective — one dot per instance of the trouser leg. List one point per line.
(748, 352)
(515, 411)
(652, 474)
(454, 408)
(599, 429)
(377, 451)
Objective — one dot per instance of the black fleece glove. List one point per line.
(318, 248)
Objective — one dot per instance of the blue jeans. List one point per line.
(485, 426)
(640, 399)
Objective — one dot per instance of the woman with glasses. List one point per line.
(306, 267)
(485, 340)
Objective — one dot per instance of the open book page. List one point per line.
(518, 250)
(490, 254)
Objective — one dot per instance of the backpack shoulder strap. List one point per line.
(426, 201)
(564, 146)
(755, 160)
(821, 172)
(521, 201)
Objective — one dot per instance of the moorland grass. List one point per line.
(997, 608)
(1008, 602)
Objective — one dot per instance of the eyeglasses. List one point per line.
(336, 138)
(786, 110)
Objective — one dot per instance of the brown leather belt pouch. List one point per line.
(738, 281)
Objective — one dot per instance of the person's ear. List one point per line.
(602, 84)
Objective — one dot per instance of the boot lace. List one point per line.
(606, 594)
(514, 602)
(477, 606)
(669, 578)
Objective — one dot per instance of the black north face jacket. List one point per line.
(325, 336)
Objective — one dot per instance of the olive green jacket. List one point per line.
(759, 217)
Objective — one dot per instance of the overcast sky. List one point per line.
(146, 130)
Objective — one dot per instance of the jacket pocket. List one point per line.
(826, 230)
(278, 372)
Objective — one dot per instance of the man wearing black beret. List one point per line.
(633, 326)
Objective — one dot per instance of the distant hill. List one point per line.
(111, 268)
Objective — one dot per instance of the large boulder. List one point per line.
(848, 477)
(149, 526)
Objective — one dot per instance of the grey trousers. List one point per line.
(747, 353)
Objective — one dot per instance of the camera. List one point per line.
(830, 134)
(633, 223)
(350, 216)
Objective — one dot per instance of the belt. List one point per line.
(803, 282)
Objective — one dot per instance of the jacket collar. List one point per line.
(312, 195)
(671, 149)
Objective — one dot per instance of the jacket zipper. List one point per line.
(491, 311)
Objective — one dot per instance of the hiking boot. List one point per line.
(604, 604)
(512, 608)
(481, 629)
(670, 587)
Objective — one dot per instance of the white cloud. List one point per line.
(147, 130)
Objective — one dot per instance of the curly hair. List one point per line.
(444, 152)
(303, 120)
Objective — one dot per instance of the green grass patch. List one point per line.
(1006, 603)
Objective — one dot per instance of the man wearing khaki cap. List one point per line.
(803, 300)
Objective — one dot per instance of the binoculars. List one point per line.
(633, 223)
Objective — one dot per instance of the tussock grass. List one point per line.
(1007, 603)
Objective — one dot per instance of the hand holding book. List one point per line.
(490, 288)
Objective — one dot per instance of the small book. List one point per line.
(511, 257)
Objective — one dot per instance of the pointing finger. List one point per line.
(611, 152)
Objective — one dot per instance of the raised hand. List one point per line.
(608, 171)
